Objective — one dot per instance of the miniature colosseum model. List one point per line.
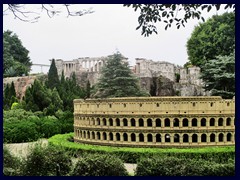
(155, 121)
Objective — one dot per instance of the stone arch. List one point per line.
(110, 122)
(228, 122)
(220, 137)
(185, 138)
(93, 121)
(133, 137)
(93, 135)
(220, 122)
(104, 121)
(185, 122)
(98, 135)
(149, 138)
(141, 123)
(194, 138)
(149, 122)
(176, 138)
(141, 137)
(167, 138)
(194, 122)
(203, 122)
(111, 136)
(158, 138)
(212, 122)
(125, 122)
(104, 136)
(125, 137)
(175, 122)
(118, 137)
(203, 138)
(133, 122)
(212, 137)
(158, 122)
(98, 121)
(117, 122)
(229, 137)
(167, 122)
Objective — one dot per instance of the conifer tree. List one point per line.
(9, 96)
(117, 80)
(53, 79)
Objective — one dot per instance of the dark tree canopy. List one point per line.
(117, 80)
(213, 38)
(16, 61)
(219, 76)
(53, 79)
(151, 14)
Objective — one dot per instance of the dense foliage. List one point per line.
(212, 38)
(25, 126)
(53, 79)
(132, 155)
(172, 166)
(16, 61)
(170, 14)
(219, 76)
(117, 80)
(9, 96)
(99, 165)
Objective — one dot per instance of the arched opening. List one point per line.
(93, 121)
(117, 136)
(125, 123)
(194, 122)
(158, 122)
(203, 138)
(104, 136)
(167, 138)
(149, 122)
(141, 137)
(110, 122)
(158, 137)
(228, 123)
(88, 134)
(104, 121)
(167, 122)
(98, 121)
(98, 135)
(176, 138)
(229, 137)
(93, 135)
(212, 137)
(125, 137)
(194, 138)
(220, 122)
(133, 123)
(111, 136)
(149, 137)
(84, 134)
(133, 137)
(117, 122)
(81, 134)
(185, 122)
(176, 122)
(185, 138)
(220, 137)
(203, 122)
(212, 122)
(141, 123)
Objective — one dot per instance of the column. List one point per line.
(171, 122)
(199, 138)
(137, 137)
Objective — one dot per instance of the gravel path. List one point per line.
(21, 150)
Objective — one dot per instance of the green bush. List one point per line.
(172, 166)
(50, 126)
(47, 161)
(99, 165)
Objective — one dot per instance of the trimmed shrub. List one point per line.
(47, 161)
(99, 165)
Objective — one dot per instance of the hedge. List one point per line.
(132, 155)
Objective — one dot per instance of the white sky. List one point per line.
(109, 28)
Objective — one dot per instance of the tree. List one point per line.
(213, 38)
(53, 79)
(219, 76)
(150, 14)
(117, 80)
(9, 96)
(15, 56)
